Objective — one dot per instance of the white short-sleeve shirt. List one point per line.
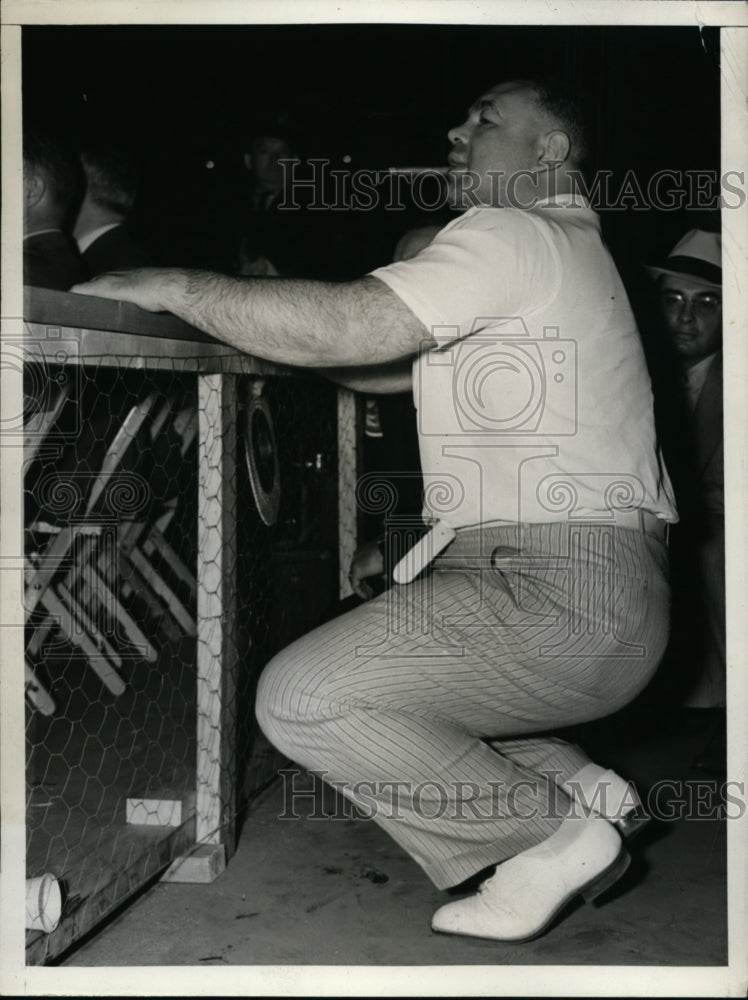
(536, 405)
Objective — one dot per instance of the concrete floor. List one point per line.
(340, 892)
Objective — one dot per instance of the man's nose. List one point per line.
(687, 312)
(459, 133)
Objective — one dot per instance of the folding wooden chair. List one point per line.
(144, 548)
(37, 426)
(62, 582)
(84, 575)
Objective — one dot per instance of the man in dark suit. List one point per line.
(101, 229)
(689, 289)
(51, 186)
(280, 235)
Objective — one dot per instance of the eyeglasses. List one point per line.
(702, 303)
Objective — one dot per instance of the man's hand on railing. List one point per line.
(367, 564)
(146, 287)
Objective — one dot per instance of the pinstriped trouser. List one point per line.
(516, 631)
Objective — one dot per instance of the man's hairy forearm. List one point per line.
(297, 322)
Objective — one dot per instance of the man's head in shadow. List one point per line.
(270, 143)
(52, 182)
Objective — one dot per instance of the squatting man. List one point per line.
(540, 596)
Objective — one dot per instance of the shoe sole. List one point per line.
(589, 892)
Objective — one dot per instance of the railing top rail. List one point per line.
(118, 334)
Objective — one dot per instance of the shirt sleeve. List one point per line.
(488, 267)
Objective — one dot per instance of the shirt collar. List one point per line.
(40, 232)
(84, 242)
(569, 199)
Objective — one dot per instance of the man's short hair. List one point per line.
(568, 105)
(112, 177)
(45, 153)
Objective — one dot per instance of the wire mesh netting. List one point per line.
(287, 540)
(140, 536)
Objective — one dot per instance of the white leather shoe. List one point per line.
(609, 795)
(519, 902)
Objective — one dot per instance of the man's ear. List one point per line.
(34, 187)
(556, 149)
(247, 160)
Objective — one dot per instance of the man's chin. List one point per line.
(689, 350)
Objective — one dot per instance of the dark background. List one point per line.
(183, 96)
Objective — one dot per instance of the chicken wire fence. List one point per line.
(179, 529)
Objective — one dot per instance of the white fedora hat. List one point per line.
(698, 254)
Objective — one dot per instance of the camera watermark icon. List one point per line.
(407, 616)
(384, 493)
(588, 508)
(409, 627)
(500, 383)
(48, 367)
(63, 496)
(607, 494)
(377, 493)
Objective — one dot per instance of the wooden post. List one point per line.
(217, 661)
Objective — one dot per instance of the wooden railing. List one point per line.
(87, 334)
